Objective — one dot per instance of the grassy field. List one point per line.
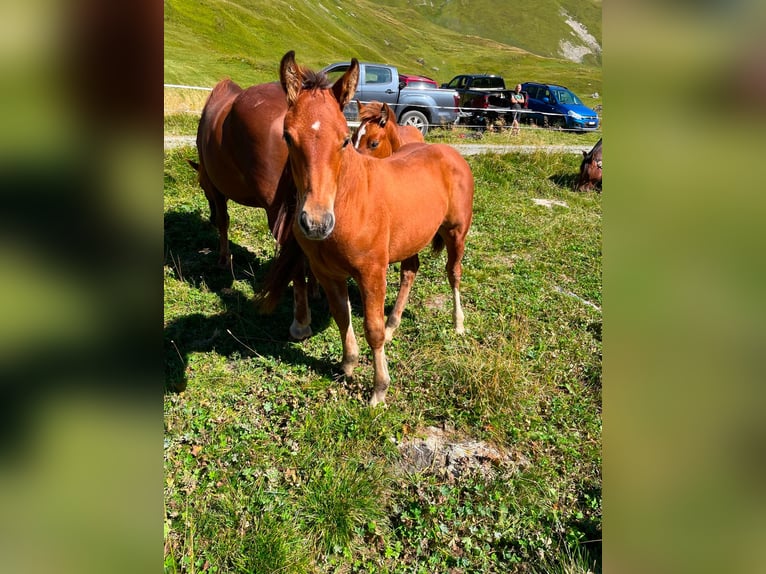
(488, 457)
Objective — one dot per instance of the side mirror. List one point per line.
(547, 100)
(402, 84)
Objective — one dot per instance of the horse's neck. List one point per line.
(353, 181)
(395, 137)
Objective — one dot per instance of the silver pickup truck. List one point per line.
(421, 107)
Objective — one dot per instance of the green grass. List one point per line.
(274, 463)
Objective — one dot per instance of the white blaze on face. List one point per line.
(359, 135)
(315, 126)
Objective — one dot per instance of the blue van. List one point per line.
(560, 106)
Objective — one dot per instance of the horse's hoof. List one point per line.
(378, 399)
(347, 367)
(299, 332)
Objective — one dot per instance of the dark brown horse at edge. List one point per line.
(356, 214)
(590, 169)
(243, 157)
(378, 133)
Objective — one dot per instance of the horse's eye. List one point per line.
(347, 141)
(374, 144)
(287, 138)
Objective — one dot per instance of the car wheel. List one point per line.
(416, 119)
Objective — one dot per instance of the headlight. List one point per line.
(574, 115)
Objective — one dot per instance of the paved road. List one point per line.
(465, 149)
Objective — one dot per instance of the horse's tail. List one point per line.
(437, 244)
(286, 265)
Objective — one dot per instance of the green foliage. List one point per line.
(274, 462)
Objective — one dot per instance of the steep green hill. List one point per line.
(539, 27)
(206, 40)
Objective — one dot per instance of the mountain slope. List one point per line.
(569, 29)
(206, 40)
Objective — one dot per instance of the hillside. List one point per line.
(206, 40)
(568, 29)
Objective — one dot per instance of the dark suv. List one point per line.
(560, 106)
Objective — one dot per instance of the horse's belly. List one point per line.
(407, 240)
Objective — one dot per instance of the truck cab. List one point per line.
(417, 105)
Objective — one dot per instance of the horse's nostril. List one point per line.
(304, 221)
(328, 222)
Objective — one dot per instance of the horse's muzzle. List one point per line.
(316, 229)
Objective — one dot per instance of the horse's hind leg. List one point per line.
(219, 216)
(455, 242)
(219, 207)
(409, 268)
(301, 326)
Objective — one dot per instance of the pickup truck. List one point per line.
(414, 105)
(483, 98)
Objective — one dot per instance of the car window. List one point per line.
(336, 72)
(419, 84)
(532, 91)
(495, 82)
(566, 97)
(377, 75)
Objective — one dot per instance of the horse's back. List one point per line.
(443, 165)
(240, 143)
(430, 186)
(410, 134)
(216, 107)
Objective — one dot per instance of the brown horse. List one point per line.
(357, 214)
(378, 133)
(590, 169)
(243, 157)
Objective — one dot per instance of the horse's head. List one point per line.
(377, 130)
(317, 136)
(590, 169)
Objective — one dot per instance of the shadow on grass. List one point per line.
(191, 251)
(565, 180)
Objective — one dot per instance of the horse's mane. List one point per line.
(371, 112)
(314, 80)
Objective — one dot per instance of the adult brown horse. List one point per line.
(590, 169)
(243, 157)
(378, 133)
(356, 214)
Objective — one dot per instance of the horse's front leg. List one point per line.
(340, 308)
(409, 268)
(373, 287)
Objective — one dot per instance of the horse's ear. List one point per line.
(584, 153)
(345, 87)
(290, 77)
(385, 115)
